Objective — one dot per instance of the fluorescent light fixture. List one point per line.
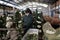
(8, 4)
(37, 4)
(23, 7)
(1, 2)
(34, 8)
(44, 5)
(29, 6)
(40, 8)
(33, 3)
(29, 3)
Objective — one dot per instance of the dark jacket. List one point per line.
(28, 20)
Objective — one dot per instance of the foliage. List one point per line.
(17, 17)
(32, 37)
(19, 24)
(38, 17)
(2, 25)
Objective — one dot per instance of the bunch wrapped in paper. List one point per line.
(50, 33)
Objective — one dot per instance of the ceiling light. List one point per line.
(44, 5)
(8, 4)
(29, 6)
(1, 2)
(40, 8)
(29, 3)
(33, 3)
(34, 8)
